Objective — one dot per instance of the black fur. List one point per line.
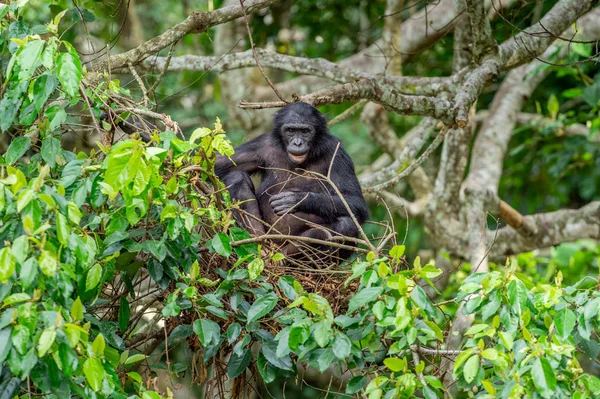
(287, 198)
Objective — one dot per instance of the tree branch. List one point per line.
(197, 22)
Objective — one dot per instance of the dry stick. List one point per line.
(163, 71)
(406, 172)
(311, 240)
(347, 113)
(254, 53)
(87, 101)
(140, 83)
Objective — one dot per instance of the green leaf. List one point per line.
(553, 106)
(94, 373)
(124, 314)
(471, 369)
(17, 148)
(208, 331)
(138, 357)
(255, 268)
(43, 87)
(20, 338)
(397, 251)
(356, 384)
(237, 364)
(46, 340)
(462, 358)
(50, 150)
(517, 296)
(342, 346)
(5, 344)
(62, 228)
(299, 334)
(233, 332)
(74, 213)
(29, 57)
(325, 359)
(221, 245)
(93, 277)
(7, 264)
(323, 332)
(69, 72)
(99, 345)
(267, 371)
(543, 377)
(77, 310)
(68, 359)
(48, 263)
(363, 297)
(395, 364)
(419, 297)
(261, 307)
(565, 322)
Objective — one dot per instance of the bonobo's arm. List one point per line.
(235, 174)
(327, 204)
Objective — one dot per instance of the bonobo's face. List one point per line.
(299, 126)
(297, 138)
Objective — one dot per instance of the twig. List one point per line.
(432, 147)
(163, 71)
(347, 113)
(140, 83)
(254, 53)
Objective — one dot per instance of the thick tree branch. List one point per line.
(551, 228)
(320, 67)
(375, 91)
(197, 22)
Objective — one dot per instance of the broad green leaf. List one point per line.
(93, 277)
(341, 346)
(543, 377)
(94, 373)
(419, 297)
(29, 57)
(517, 296)
(208, 331)
(471, 368)
(356, 384)
(507, 339)
(237, 364)
(395, 364)
(48, 263)
(62, 228)
(20, 338)
(462, 358)
(299, 334)
(565, 322)
(363, 297)
(69, 73)
(99, 345)
(7, 264)
(397, 251)
(255, 268)
(50, 150)
(490, 354)
(68, 358)
(124, 314)
(5, 343)
(261, 307)
(77, 310)
(267, 371)
(46, 340)
(323, 332)
(16, 298)
(43, 87)
(17, 148)
(221, 245)
(233, 332)
(135, 358)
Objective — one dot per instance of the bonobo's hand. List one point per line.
(283, 202)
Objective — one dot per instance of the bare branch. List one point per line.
(307, 66)
(197, 22)
(373, 90)
(551, 228)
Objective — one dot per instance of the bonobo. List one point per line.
(289, 199)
